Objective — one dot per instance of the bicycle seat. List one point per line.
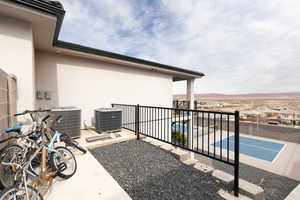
(14, 129)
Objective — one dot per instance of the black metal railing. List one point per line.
(209, 133)
(128, 116)
(184, 104)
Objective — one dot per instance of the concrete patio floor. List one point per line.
(91, 181)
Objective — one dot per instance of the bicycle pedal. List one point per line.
(62, 167)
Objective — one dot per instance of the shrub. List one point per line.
(179, 138)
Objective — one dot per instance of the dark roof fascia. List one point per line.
(59, 13)
(48, 8)
(89, 50)
(41, 6)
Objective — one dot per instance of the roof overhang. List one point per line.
(43, 23)
(72, 50)
(46, 21)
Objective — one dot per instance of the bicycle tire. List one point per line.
(15, 188)
(5, 170)
(54, 164)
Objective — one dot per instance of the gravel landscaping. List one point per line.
(276, 187)
(147, 172)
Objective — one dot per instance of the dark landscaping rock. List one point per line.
(148, 172)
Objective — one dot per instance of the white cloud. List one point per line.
(242, 46)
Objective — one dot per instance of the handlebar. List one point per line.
(54, 121)
(31, 111)
(45, 118)
(58, 118)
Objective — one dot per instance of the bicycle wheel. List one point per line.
(63, 162)
(10, 153)
(19, 192)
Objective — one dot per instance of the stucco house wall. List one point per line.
(17, 57)
(89, 84)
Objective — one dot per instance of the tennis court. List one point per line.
(257, 148)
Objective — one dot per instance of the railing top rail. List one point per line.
(180, 109)
(120, 104)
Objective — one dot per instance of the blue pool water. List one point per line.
(256, 148)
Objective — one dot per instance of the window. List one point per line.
(285, 116)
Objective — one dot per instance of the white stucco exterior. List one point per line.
(17, 57)
(89, 84)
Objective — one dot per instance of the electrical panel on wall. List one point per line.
(40, 95)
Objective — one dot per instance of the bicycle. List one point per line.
(53, 163)
(18, 152)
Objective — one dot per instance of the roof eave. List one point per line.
(89, 50)
(59, 13)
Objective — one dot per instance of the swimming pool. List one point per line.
(257, 148)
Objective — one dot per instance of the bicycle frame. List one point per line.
(55, 138)
(44, 149)
(24, 171)
(43, 176)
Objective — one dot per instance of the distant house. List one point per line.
(211, 104)
(251, 115)
(290, 117)
(51, 72)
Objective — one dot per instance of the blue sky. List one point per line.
(242, 46)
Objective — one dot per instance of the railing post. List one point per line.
(137, 121)
(236, 152)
